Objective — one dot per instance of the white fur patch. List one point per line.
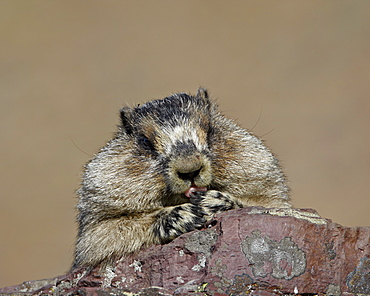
(179, 133)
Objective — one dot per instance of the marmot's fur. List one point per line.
(171, 165)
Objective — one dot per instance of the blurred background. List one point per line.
(296, 72)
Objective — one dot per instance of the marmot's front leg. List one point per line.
(171, 222)
(213, 201)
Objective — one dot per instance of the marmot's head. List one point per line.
(175, 133)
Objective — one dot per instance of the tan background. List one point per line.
(67, 67)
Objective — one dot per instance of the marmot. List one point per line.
(172, 164)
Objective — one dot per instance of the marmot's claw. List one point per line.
(196, 197)
(198, 193)
(213, 201)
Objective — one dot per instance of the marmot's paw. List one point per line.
(212, 201)
(178, 220)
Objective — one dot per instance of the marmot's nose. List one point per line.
(189, 175)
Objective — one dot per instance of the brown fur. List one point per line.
(132, 193)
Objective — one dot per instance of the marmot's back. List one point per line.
(172, 164)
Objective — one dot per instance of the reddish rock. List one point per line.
(254, 250)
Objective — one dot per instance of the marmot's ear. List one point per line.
(125, 114)
(202, 93)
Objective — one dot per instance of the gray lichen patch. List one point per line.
(188, 288)
(242, 284)
(333, 290)
(109, 275)
(218, 268)
(30, 286)
(329, 250)
(202, 259)
(202, 241)
(358, 281)
(136, 265)
(281, 260)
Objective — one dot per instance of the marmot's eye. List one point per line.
(145, 143)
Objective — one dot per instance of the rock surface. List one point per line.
(253, 251)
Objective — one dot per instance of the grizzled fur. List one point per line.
(132, 193)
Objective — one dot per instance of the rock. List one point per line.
(255, 251)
